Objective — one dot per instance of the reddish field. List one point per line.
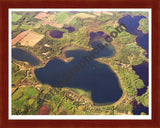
(46, 22)
(44, 110)
(52, 24)
(20, 36)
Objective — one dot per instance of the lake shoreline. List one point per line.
(30, 52)
(63, 50)
(64, 58)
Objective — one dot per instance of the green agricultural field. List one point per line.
(26, 27)
(15, 17)
(73, 21)
(60, 17)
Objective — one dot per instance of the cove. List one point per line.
(132, 24)
(142, 71)
(95, 77)
(22, 55)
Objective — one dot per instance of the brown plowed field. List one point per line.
(20, 36)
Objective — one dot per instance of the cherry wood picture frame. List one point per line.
(4, 39)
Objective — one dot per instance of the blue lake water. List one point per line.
(22, 55)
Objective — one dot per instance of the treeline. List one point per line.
(16, 31)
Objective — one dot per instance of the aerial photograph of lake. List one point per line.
(80, 62)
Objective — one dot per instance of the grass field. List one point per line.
(31, 39)
(15, 17)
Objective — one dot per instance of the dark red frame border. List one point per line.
(6, 4)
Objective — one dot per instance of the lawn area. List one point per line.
(15, 17)
(61, 16)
